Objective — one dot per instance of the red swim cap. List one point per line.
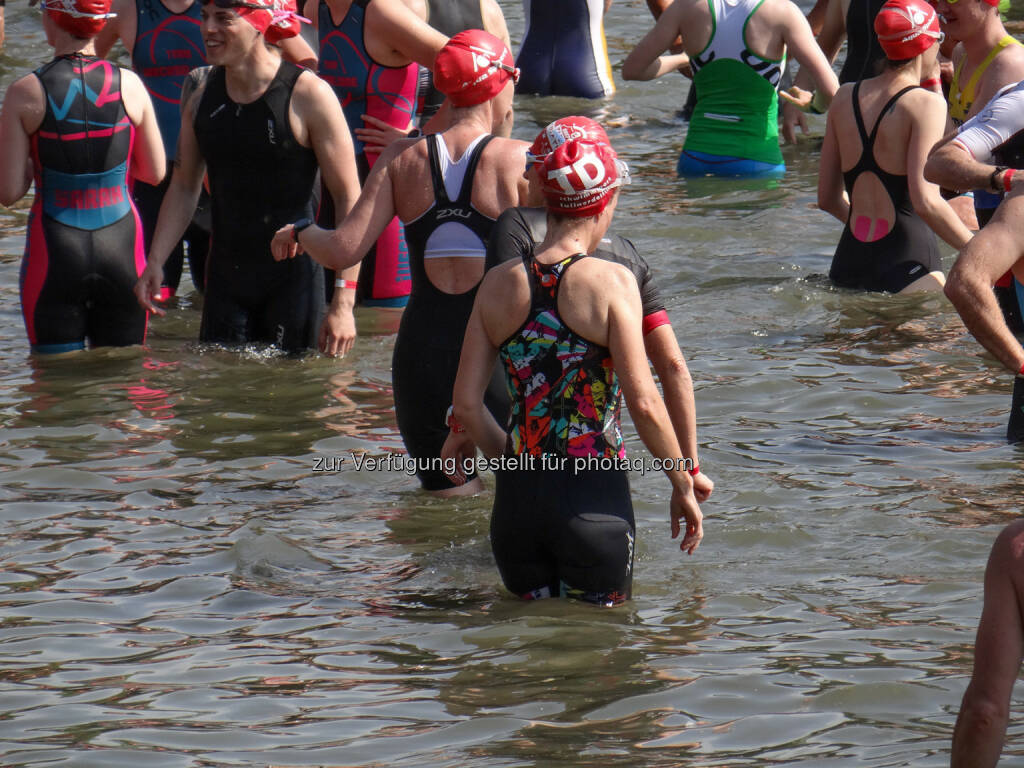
(579, 177)
(907, 28)
(473, 67)
(82, 18)
(560, 131)
(285, 21)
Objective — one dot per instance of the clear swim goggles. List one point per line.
(239, 4)
(68, 7)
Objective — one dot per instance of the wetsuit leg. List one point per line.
(225, 319)
(423, 378)
(287, 312)
(114, 316)
(52, 285)
(527, 567)
(291, 314)
(77, 285)
(564, 532)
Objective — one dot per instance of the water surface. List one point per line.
(193, 573)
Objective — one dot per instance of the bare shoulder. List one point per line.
(404, 159)
(506, 151)
(312, 88)
(781, 12)
(494, 19)
(25, 94)
(129, 79)
(919, 105)
(844, 95)
(609, 276)
(1007, 67)
(503, 285)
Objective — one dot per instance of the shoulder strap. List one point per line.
(967, 94)
(885, 110)
(279, 93)
(466, 192)
(857, 115)
(436, 178)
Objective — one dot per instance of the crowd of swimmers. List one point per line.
(395, 117)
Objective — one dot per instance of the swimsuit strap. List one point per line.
(857, 116)
(869, 140)
(436, 177)
(466, 192)
(885, 110)
(545, 280)
(968, 92)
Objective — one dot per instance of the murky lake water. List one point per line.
(180, 585)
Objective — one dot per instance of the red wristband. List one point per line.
(1021, 371)
(694, 470)
(451, 423)
(342, 283)
(931, 82)
(1007, 176)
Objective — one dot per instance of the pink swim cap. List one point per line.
(473, 67)
(82, 18)
(907, 28)
(579, 177)
(562, 130)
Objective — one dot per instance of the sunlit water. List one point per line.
(193, 573)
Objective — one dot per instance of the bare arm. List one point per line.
(645, 61)
(989, 254)
(149, 162)
(406, 31)
(475, 366)
(984, 712)
(22, 114)
(494, 21)
(663, 351)
(332, 143)
(796, 33)
(831, 193)
(829, 40)
(123, 26)
(296, 50)
(952, 166)
(345, 245)
(650, 417)
(925, 197)
(177, 208)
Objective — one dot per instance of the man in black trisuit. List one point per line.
(260, 127)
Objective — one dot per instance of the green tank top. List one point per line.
(737, 91)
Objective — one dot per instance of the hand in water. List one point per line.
(684, 505)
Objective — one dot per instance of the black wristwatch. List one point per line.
(300, 225)
(993, 179)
